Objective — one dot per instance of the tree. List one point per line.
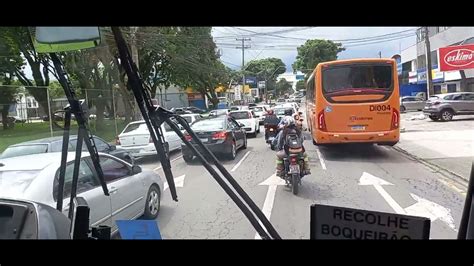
(18, 40)
(267, 68)
(282, 87)
(195, 62)
(300, 85)
(313, 52)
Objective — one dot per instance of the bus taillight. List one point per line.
(395, 119)
(321, 121)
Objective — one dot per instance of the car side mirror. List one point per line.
(136, 169)
(241, 125)
(112, 147)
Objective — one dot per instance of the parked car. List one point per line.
(133, 192)
(135, 138)
(260, 112)
(191, 118)
(445, 106)
(409, 103)
(55, 144)
(221, 135)
(195, 110)
(248, 119)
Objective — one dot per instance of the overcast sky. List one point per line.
(282, 44)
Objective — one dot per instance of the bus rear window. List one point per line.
(357, 79)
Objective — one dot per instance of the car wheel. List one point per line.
(446, 115)
(233, 151)
(402, 108)
(258, 128)
(153, 202)
(433, 117)
(187, 158)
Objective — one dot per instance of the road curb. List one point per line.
(456, 178)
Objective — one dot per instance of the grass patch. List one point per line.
(31, 131)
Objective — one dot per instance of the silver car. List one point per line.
(444, 106)
(411, 103)
(133, 192)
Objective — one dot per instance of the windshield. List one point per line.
(357, 79)
(24, 150)
(359, 146)
(239, 115)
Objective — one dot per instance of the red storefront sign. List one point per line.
(457, 57)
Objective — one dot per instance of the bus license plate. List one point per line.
(358, 128)
(294, 169)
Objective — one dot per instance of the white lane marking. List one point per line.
(240, 162)
(272, 182)
(178, 182)
(177, 158)
(321, 159)
(422, 207)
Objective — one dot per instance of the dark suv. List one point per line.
(444, 106)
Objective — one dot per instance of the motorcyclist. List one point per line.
(288, 125)
(270, 120)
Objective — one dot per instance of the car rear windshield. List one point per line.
(240, 115)
(357, 79)
(135, 126)
(281, 111)
(24, 150)
(209, 124)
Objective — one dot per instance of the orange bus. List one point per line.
(354, 101)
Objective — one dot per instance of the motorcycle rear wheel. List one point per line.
(294, 183)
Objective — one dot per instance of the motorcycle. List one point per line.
(271, 132)
(294, 165)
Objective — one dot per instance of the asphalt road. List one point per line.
(391, 182)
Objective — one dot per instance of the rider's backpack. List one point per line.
(293, 142)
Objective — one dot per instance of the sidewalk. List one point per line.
(448, 145)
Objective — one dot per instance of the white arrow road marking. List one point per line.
(321, 159)
(177, 158)
(422, 207)
(178, 182)
(367, 180)
(431, 210)
(240, 162)
(272, 182)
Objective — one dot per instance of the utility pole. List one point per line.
(429, 74)
(380, 54)
(243, 59)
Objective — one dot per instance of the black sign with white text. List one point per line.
(330, 222)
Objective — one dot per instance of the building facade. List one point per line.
(413, 59)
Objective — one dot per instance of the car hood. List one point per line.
(14, 184)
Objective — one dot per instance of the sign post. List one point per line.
(330, 222)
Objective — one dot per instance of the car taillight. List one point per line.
(219, 135)
(117, 141)
(188, 137)
(395, 119)
(321, 121)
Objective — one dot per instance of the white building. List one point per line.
(292, 78)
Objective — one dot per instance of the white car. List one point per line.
(133, 192)
(136, 139)
(248, 119)
(191, 118)
(260, 112)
